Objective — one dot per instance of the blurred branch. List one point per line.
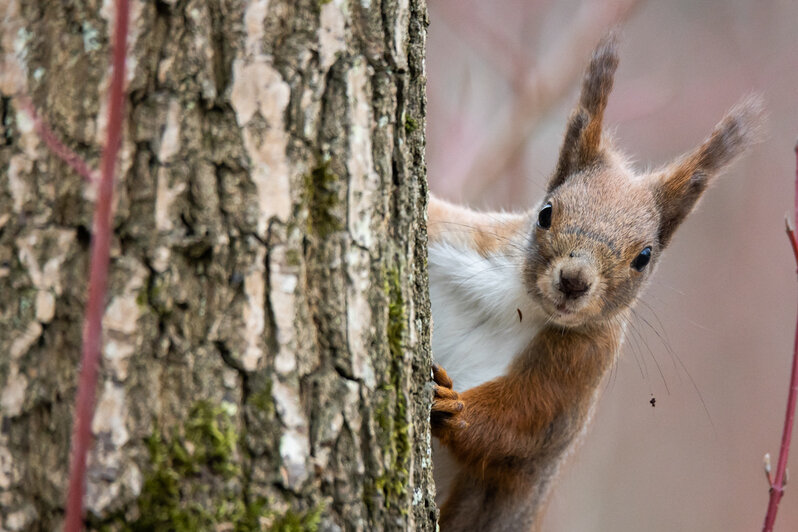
(496, 48)
(46, 134)
(780, 479)
(544, 86)
(98, 278)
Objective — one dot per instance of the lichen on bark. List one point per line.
(266, 343)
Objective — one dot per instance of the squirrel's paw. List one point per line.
(447, 406)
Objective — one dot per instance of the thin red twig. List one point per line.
(43, 130)
(777, 486)
(98, 277)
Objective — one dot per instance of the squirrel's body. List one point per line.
(529, 309)
(487, 329)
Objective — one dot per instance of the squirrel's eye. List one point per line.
(642, 260)
(544, 216)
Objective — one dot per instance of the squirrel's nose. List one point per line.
(573, 284)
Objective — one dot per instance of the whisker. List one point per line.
(632, 338)
(662, 337)
(681, 363)
(697, 391)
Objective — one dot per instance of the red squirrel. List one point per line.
(529, 310)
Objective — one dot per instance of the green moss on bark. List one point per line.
(298, 521)
(199, 462)
(321, 195)
(190, 464)
(262, 399)
(391, 404)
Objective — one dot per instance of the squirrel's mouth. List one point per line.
(565, 307)
(557, 307)
(563, 310)
(567, 315)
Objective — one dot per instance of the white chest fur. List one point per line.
(477, 329)
(476, 326)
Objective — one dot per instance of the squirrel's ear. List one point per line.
(582, 144)
(678, 187)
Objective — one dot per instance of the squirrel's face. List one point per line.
(601, 228)
(594, 243)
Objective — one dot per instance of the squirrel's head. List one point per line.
(601, 227)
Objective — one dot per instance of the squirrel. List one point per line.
(529, 310)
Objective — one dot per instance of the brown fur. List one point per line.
(510, 434)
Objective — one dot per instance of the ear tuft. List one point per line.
(569, 153)
(597, 84)
(680, 185)
(582, 144)
(740, 128)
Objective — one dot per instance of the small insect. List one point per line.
(653, 402)
(520, 316)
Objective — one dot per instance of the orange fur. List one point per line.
(485, 232)
(510, 432)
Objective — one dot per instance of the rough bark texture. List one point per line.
(266, 345)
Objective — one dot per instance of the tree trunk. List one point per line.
(266, 347)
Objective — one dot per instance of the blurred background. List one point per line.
(713, 338)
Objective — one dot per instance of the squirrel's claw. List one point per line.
(445, 393)
(446, 404)
(440, 376)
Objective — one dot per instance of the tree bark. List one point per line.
(266, 343)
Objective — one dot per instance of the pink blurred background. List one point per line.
(725, 295)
